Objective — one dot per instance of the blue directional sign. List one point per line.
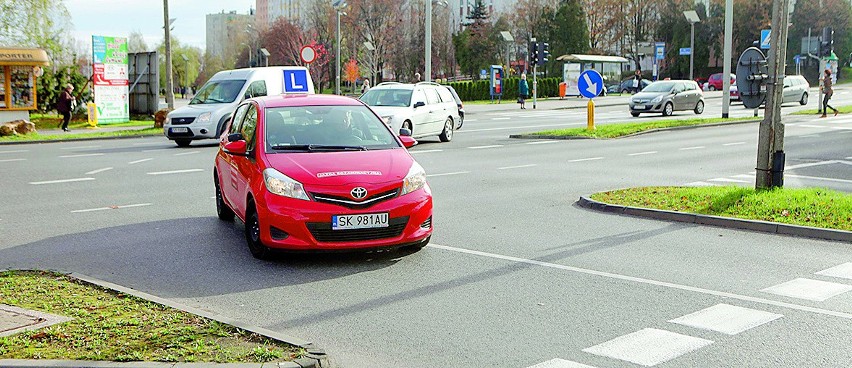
(764, 38)
(296, 81)
(590, 83)
(685, 51)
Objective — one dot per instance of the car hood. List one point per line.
(332, 169)
(390, 110)
(198, 109)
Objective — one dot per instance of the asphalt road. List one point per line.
(516, 274)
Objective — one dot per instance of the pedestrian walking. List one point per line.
(827, 92)
(65, 105)
(523, 91)
(365, 86)
(637, 81)
(183, 92)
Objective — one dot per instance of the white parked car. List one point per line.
(426, 109)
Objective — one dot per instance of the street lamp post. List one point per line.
(428, 70)
(692, 17)
(170, 93)
(338, 5)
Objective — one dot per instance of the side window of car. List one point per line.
(418, 96)
(432, 96)
(256, 89)
(238, 119)
(446, 95)
(249, 126)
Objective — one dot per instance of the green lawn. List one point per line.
(114, 326)
(808, 207)
(58, 135)
(53, 122)
(620, 130)
(843, 110)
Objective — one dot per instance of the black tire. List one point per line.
(224, 212)
(447, 134)
(252, 231)
(635, 114)
(712, 88)
(418, 246)
(668, 109)
(804, 100)
(699, 108)
(461, 122)
(183, 142)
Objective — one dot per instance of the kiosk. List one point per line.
(19, 70)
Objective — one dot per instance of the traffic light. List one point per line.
(533, 53)
(542, 54)
(826, 45)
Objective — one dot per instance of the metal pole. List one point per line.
(770, 150)
(535, 84)
(691, 47)
(428, 71)
(170, 93)
(726, 69)
(337, 58)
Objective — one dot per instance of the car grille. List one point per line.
(322, 231)
(182, 121)
(350, 203)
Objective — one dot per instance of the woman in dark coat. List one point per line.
(66, 99)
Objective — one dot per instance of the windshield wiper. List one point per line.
(316, 147)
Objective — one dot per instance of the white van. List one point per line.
(210, 110)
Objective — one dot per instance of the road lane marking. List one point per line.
(734, 144)
(448, 174)
(559, 363)
(111, 208)
(82, 155)
(156, 149)
(810, 136)
(427, 151)
(586, 159)
(648, 346)
(812, 126)
(147, 144)
(81, 147)
(14, 151)
(519, 127)
(810, 164)
(745, 176)
(542, 142)
(849, 158)
(818, 178)
(516, 167)
(641, 280)
(175, 172)
(187, 153)
(139, 161)
(692, 148)
(642, 153)
(485, 147)
(727, 319)
(843, 271)
(808, 289)
(726, 180)
(470, 120)
(60, 181)
(93, 172)
(501, 118)
(13, 160)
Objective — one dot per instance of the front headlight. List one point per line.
(415, 179)
(657, 99)
(280, 184)
(204, 118)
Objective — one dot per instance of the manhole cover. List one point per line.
(14, 320)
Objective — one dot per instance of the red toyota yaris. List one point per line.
(320, 172)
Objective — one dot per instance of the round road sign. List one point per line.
(308, 54)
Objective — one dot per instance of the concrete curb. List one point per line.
(737, 122)
(314, 358)
(11, 143)
(727, 222)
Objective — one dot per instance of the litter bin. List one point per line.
(563, 88)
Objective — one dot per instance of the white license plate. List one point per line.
(365, 221)
(180, 130)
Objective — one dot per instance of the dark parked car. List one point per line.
(626, 86)
(459, 104)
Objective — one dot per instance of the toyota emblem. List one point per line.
(359, 193)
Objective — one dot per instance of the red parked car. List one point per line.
(714, 83)
(319, 172)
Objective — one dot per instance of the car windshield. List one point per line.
(387, 97)
(659, 87)
(220, 91)
(325, 128)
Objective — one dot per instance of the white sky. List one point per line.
(118, 18)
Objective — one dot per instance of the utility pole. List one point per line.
(726, 58)
(428, 71)
(170, 92)
(770, 150)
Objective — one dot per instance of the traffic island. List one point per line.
(94, 323)
(811, 213)
(608, 131)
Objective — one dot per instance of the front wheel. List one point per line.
(252, 230)
(699, 107)
(712, 88)
(668, 110)
(447, 133)
(804, 100)
(183, 142)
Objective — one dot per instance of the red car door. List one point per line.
(246, 167)
(226, 163)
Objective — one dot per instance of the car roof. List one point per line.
(393, 85)
(293, 100)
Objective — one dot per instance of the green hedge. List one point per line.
(479, 89)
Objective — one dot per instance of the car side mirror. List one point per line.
(407, 141)
(235, 137)
(419, 104)
(237, 148)
(404, 132)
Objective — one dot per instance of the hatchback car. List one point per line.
(714, 83)
(318, 172)
(796, 89)
(667, 97)
(425, 109)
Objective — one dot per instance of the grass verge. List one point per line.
(620, 130)
(843, 110)
(60, 136)
(53, 122)
(808, 207)
(114, 326)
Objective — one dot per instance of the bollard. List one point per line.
(93, 114)
(590, 119)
